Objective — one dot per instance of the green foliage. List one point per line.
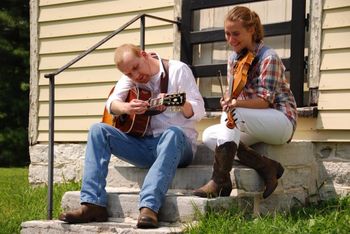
(327, 217)
(14, 79)
(20, 202)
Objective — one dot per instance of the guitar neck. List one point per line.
(177, 99)
(154, 102)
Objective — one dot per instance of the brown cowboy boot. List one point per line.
(220, 183)
(268, 169)
(85, 214)
(147, 218)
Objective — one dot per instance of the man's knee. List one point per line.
(175, 130)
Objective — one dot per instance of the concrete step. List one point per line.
(179, 205)
(189, 178)
(204, 156)
(292, 154)
(112, 226)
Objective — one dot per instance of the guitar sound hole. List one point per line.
(123, 118)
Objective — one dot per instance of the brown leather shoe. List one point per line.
(85, 214)
(147, 218)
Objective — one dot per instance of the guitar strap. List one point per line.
(164, 80)
(165, 77)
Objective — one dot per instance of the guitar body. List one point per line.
(136, 125)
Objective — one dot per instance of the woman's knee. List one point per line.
(207, 136)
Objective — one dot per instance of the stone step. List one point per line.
(179, 206)
(292, 154)
(189, 178)
(204, 156)
(112, 226)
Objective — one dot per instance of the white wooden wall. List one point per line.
(66, 28)
(334, 84)
(62, 29)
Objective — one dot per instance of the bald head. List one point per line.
(124, 49)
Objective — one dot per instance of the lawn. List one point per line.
(21, 202)
(326, 217)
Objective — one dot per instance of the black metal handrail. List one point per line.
(51, 77)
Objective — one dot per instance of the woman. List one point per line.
(265, 110)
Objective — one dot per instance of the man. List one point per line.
(169, 141)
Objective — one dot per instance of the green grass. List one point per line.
(332, 216)
(21, 202)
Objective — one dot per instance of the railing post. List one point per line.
(142, 33)
(51, 144)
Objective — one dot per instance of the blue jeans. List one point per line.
(161, 154)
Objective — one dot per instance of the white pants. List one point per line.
(253, 125)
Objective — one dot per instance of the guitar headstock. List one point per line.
(176, 99)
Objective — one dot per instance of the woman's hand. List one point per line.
(256, 103)
(227, 103)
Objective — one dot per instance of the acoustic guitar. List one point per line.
(136, 125)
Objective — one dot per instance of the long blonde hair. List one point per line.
(249, 19)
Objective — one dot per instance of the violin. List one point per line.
(236, 85)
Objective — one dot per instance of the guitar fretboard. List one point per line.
(156, 102)
(177, 99)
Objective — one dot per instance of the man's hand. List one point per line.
(136, 106)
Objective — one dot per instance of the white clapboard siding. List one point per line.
(74, 108)
(75, 10)
(70, 123)
(100, 24)
(333, 100)
(336, 18)
(335, 59)
(331, 4)
(154, 35)
(334, 86)
(55, 2)
(64, 136)
(76, 92)
(335, 80)
(67, 28)
(334, 120)
(330, 38)
(85, 75)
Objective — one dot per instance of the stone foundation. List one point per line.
(317, 170)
